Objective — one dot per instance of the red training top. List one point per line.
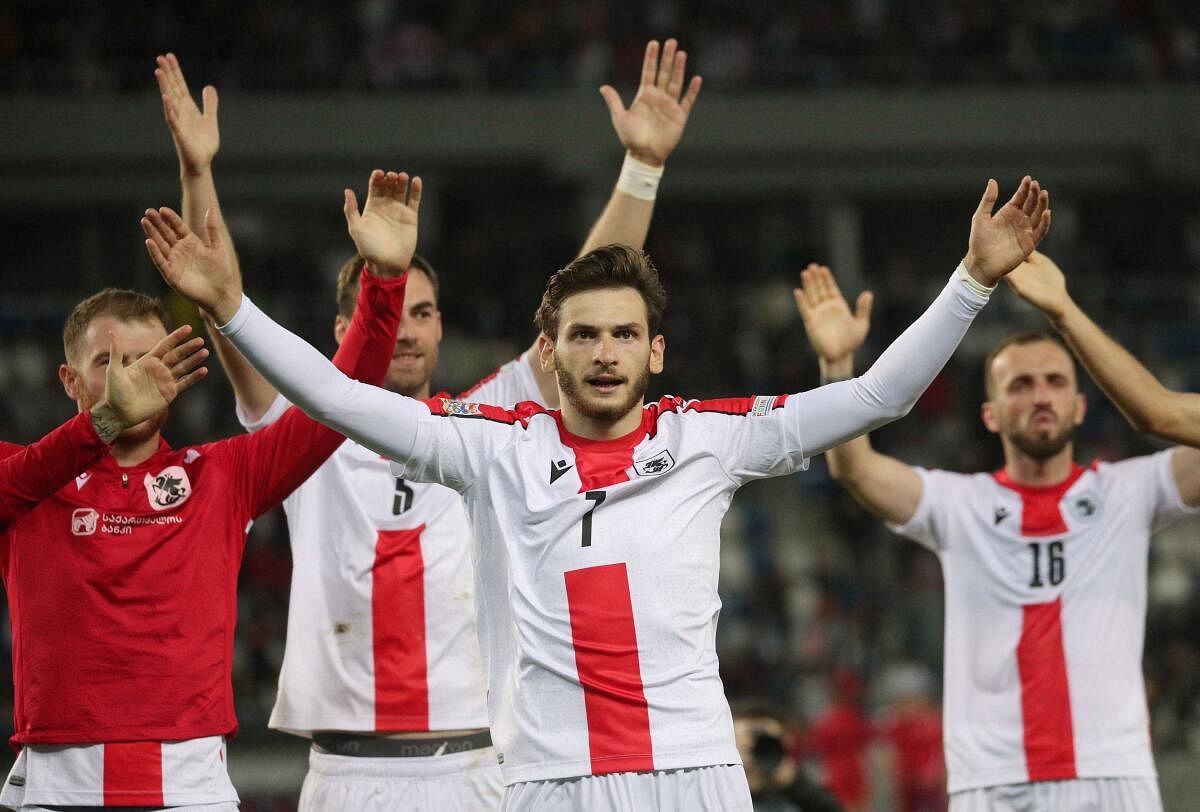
(122, 585)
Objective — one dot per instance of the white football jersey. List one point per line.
(1045, 619)
(381, 622)
(597, 566)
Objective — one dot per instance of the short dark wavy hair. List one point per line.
(611, 266)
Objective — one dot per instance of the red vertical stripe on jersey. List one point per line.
(133, 774)
(398, 620)
(606, 657)
(1041, 514)
(1045, 694)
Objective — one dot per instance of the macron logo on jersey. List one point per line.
(557, 469)
(83, 521)
(170, 487)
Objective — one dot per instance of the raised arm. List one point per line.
(383, 421)
(131, 394)
(649, 129)
(1147, 404)
(998, 242)
(883, 485)
(197, 138)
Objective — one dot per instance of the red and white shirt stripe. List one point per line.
(597, 566)
(381, 623)
(150, 774)
(1045, 619)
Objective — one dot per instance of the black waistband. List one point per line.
(354, 744)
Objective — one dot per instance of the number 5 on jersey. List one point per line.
(598, 498)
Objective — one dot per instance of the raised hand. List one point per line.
(386, 231)
(652, 126)
(196, 135)
(147, 386)
(1040, 282)
(832, 329)
(200, 271)
(1001, 241)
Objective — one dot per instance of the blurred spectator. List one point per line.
(767, 744)
(912, 724)
(535, 45)
(839, 738)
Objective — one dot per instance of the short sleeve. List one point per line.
(928, 522)
(1149, 480)
(273, 413)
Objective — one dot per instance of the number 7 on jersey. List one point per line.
(598, 498)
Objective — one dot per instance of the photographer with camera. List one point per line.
(777, 780)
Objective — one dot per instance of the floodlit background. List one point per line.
(854, 133)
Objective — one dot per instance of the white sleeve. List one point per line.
(831, 415)
(1149, 483)
(927, 525)
(452, 452)
(275, 411)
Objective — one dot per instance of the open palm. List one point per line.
(832, 329)
(1039, 281)
(196, 134)
(1000, 241)
(200, 271)
(147, 386)
(385, 233)
(653, 124)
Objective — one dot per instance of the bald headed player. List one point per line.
(1044, 564)
(1147, 404)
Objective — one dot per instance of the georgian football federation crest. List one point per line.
(660, 463)
(168, 488)
(1085, 506)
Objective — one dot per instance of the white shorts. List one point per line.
(455, 782)
(721, 788)
(1076, 795)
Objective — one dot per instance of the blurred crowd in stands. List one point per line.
(85, 46)
(828, 617)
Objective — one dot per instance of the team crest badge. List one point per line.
(1085, 506)
(660, 463)
(168, 488)
(460, 408)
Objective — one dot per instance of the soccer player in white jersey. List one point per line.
(382, 667)
(1147, 404)
(597, 527)
(1044, 563)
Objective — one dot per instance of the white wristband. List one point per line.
(975, 285)
(638, 179)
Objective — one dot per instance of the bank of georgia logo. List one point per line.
(168, 488)
(83, 521)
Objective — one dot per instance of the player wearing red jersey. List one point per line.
(1147, 404)
(129, 572)
(382, 667)
(133, 392)
(1044, 565)
(596, 585)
